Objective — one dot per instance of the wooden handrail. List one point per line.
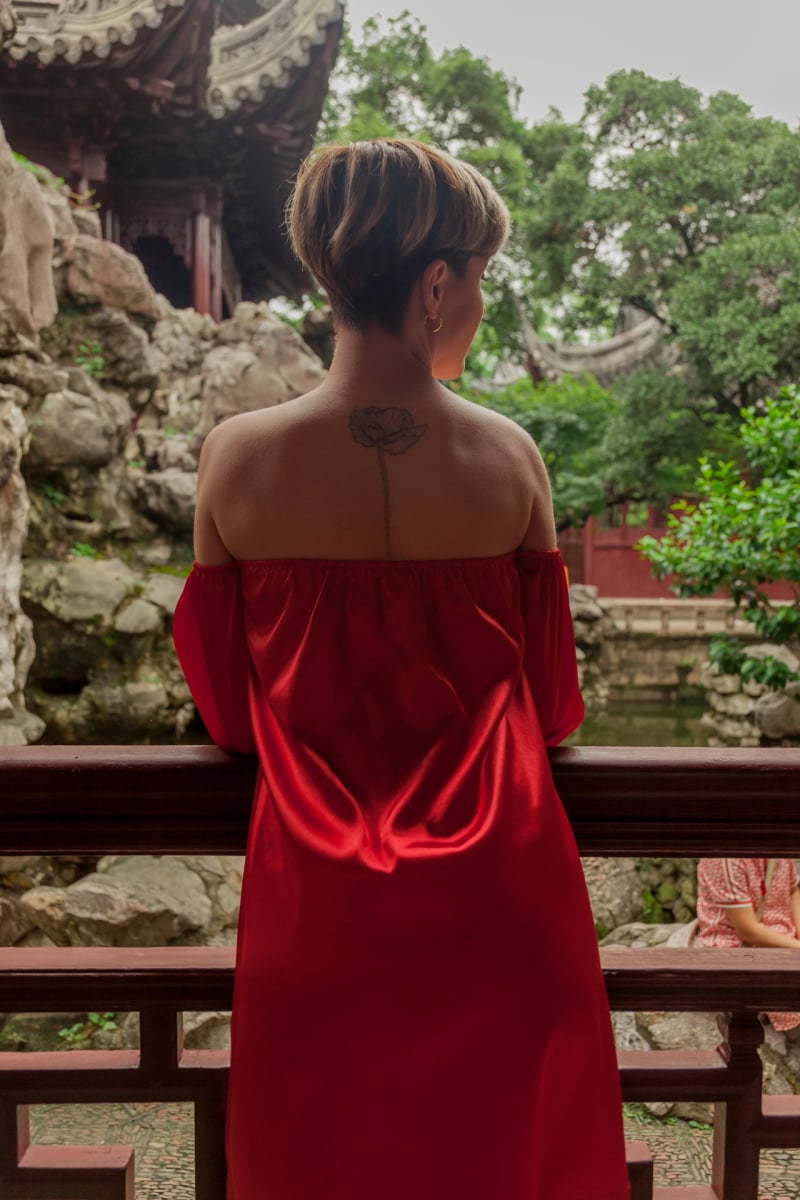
(196, 800)
(126, 979)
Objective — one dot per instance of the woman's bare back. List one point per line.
(330, 475)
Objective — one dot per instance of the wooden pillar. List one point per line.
(201, 262)
(216, 268)
(735, 1159)
(587, 565)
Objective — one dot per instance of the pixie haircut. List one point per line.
(367, 218)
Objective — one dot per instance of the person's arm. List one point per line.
(541, 532)
(752, 932)
(209, 548)
(795, 904)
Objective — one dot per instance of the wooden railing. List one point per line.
(196, 800)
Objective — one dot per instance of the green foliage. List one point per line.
(738, 313)
(658, 431)
(83, 550)
(41, 174)
(744, 532)
(732, 659)
(652, 912)
(50, 493)
(686, 207)
(81, 1031)
(569, 421)
(89, 356)
(55, 182)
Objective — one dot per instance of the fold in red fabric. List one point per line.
(419, 1010)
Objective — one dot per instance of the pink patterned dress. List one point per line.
(724, 883)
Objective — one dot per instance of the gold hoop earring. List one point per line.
(433, 328)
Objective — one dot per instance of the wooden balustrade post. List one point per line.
(735, 1155)
(210, 1169)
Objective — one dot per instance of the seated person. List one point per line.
(749, 902)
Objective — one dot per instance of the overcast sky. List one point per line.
(557, 48)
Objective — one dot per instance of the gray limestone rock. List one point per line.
(259, 361)
(73, 428)
(638, 934)
(138, 902)
(126, 712)
(182, 337)
(15, 921)
(129, 356)
(32, 378)
(27, 298)
(91, 270)
(78, 590)
(163, 590)
(18, 727)
(778, 714)
(138, 616)
(614, 890)
(734, 704)
(207, 1031)
(168, 497)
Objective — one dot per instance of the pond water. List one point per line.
(629, 723)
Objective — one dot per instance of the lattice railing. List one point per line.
(180, 800)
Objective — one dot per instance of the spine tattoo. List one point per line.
(389, 431)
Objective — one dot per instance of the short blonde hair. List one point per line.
(367, 218)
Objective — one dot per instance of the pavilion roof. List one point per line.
(234, 86)
(254, 47)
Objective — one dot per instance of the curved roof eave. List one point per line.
(63, 33)
(249, 61)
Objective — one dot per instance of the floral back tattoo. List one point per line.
(389, 431)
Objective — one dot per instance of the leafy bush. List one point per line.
(732, 659)
(743, 533)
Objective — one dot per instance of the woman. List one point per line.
(749, 902)
(380, 613)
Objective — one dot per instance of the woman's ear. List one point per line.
(433, 280)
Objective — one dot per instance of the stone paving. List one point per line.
(161, 1134)
(163, 1137)
(682, 1157)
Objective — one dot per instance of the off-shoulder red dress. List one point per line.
(419, 1012)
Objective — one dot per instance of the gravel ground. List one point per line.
(163, 1136)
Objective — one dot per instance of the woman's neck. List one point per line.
(377, 362)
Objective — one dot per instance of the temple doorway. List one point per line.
(165, 269)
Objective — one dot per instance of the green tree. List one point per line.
(659, 429)
(690, 213)
(744, 531)
(389, 82)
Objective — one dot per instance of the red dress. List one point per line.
(419, 1012)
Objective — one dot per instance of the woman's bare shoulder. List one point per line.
(516, 455)
(232, 445)
(511, 438)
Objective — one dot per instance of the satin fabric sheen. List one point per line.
(419, 1012)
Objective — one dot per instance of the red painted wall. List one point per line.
(604, 557)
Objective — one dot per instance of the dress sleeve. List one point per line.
(724, 882)
(550, 663)
(208, 631)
